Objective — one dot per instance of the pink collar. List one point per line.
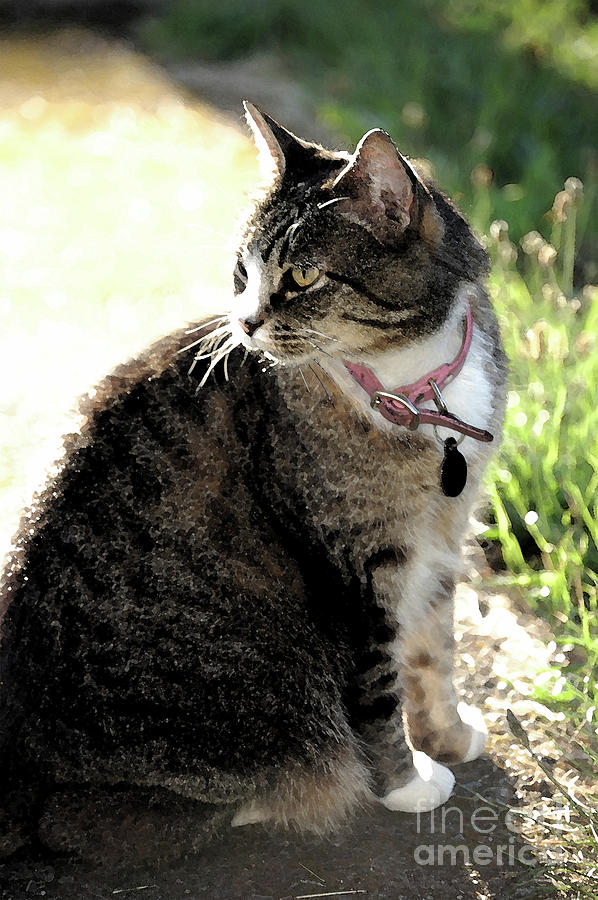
(402, 406)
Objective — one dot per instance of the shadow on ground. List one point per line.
(464, 850)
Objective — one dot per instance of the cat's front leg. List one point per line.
(437, 723)
(403, 778)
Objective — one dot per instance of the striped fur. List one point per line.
(238, 589)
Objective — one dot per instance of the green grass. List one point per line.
(502, 98)
(543, 491)
(544, 486)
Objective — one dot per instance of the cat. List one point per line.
(238, 589)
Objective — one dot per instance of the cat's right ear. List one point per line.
(380, 190)
(278, 148)
(377, 187)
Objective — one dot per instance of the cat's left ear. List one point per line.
(278, 148)
(380, 190)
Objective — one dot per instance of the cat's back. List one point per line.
(148, 494)
(151, 441)
(151, 568)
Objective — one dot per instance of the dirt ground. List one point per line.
(373, 858)
(470, 848)
(474, 851)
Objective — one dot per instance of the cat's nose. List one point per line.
(249, 326)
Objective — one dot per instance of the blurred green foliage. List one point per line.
(473, 85)
(502, 98)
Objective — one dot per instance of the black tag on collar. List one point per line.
(453, 471)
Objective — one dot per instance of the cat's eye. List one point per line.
(305, 277)
(240, 277)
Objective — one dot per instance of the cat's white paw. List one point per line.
(431, 785)
(472, 716)
(250, 815)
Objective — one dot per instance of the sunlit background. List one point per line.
(124, 170)
(120, 199)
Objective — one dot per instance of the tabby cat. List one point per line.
(238, 589)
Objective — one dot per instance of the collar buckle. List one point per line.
(415, 421)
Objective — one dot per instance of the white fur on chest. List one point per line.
(468, 396)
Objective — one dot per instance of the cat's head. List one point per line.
(346, 255)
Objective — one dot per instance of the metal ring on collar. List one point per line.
(438, 398)
(441, 440)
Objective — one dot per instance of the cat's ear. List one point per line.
(278, 148)
(378, 187)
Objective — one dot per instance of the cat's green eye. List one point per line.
(305, 277)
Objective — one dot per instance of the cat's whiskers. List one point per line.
(202, 356)
(343, 345)
(222, 353)
(304, 381)
(227, 355)
(212, 347)
(324, 388)
(206, 337)
(304, 333)
(317, 347)
(217, 345)
(330, 202)
(205, 325)
(347, 349)
(212, 350)
(321, 334)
